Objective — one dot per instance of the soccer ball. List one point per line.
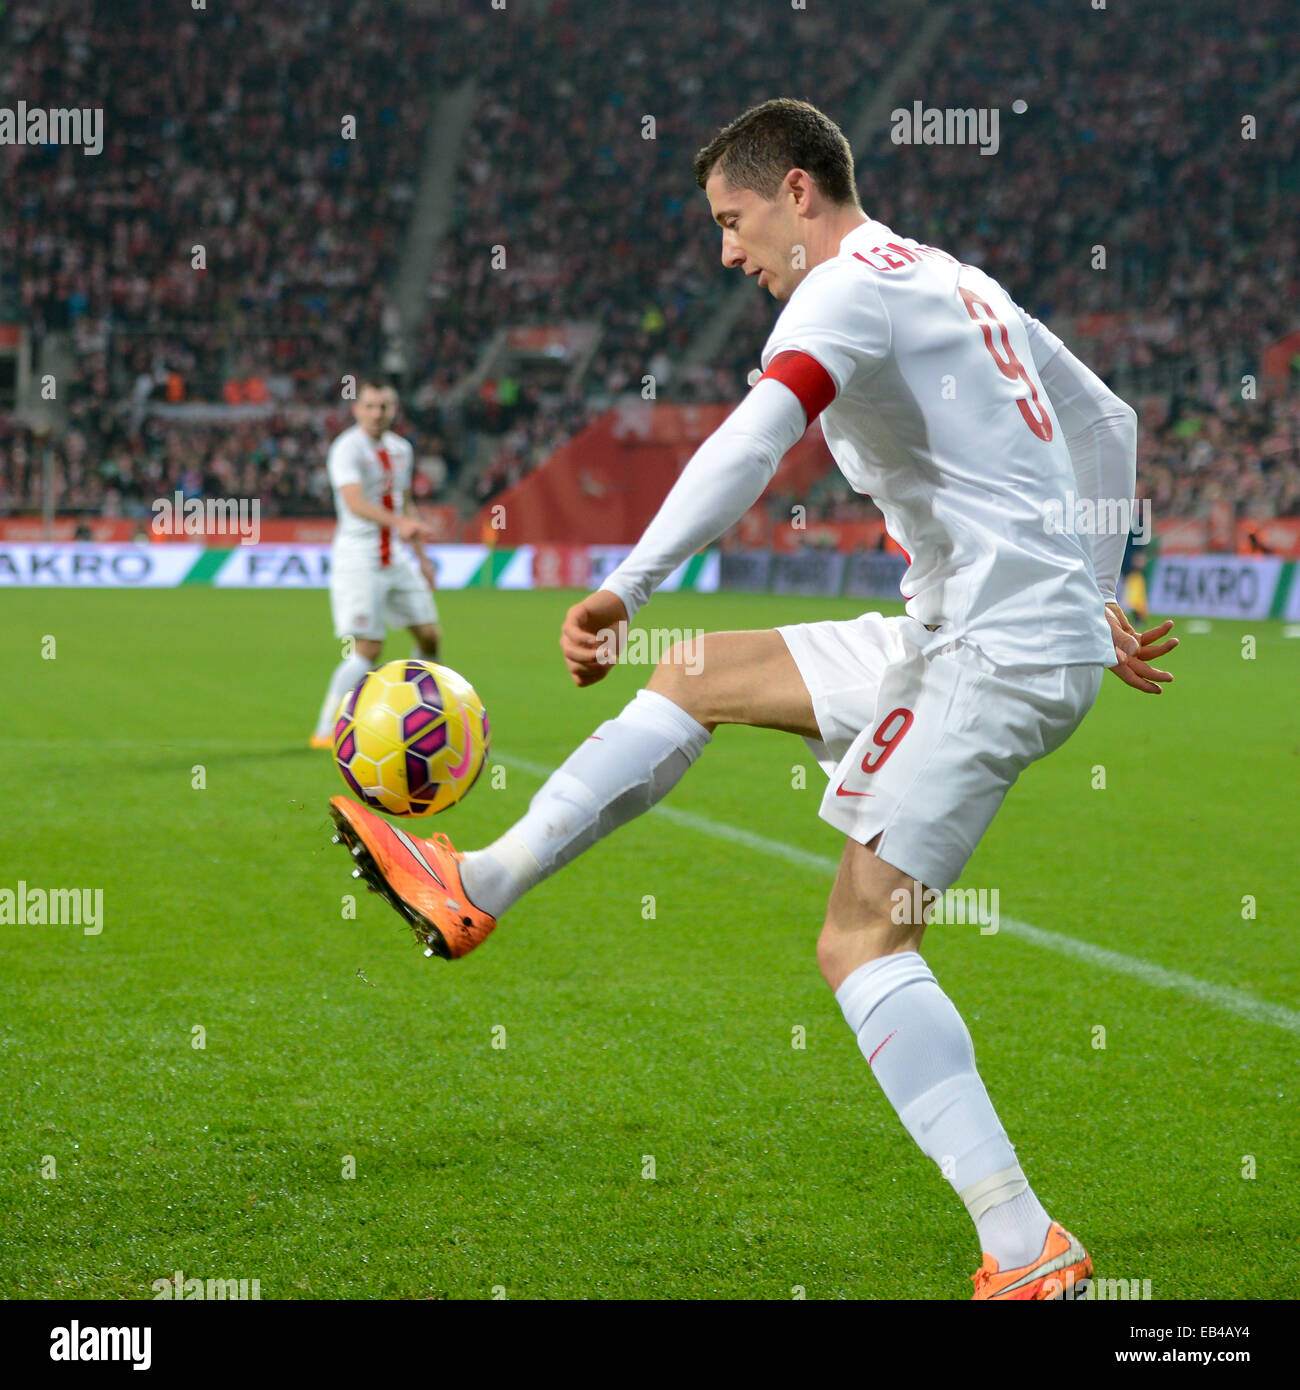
(411, 738)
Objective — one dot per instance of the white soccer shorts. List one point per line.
(366, 599)
(921, 750)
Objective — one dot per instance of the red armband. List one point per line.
(806, 377)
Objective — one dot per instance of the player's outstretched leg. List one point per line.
(346, 674)
(630, 763)
(452, 901)
(623, 769)
(921, 1054)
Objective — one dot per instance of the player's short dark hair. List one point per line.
(759, 148)
(374, 381)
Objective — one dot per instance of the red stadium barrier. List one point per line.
(604, 485)
(1279, 535)
(1278, 359)
(1184, 535)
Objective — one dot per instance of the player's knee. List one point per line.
(429, 640)
(843, 946)
(677, 677)
(367, 648)
(837, 953)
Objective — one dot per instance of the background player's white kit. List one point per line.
(373, 582)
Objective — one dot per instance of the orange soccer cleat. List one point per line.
(1053, 1275)
(320, 741)
(420, 879)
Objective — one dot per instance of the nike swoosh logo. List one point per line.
(462, 767)
(872, 1058)
(1072, 1255)
(839, 791)
(416, 852)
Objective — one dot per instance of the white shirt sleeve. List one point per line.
(836, 316)
(343, 464)
(724, 478)
(404, 473)
(1101, 433)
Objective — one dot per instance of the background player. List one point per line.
(1133, 576)
(968, 423)
(373, 583)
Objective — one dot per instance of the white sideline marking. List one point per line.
(1233, 1001)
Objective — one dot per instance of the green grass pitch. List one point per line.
(130, 1152)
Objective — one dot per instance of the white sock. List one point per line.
(1016, 1228)
(346, 674)
(921, 1053)
(623, 769)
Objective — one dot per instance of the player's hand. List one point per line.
(1135, 651)
(411, 528)
(593, 635)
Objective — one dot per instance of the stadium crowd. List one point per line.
(1132, 140)
(1211, 448)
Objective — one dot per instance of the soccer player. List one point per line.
(967, 422)
(373, 584)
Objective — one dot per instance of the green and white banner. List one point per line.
(308, 566)
(1203, 586)
(72, 565)
(700, 572)
(1217, 586)
(1287, 603)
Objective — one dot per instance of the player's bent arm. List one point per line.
(412, 513)
(725, 477)
(368, 511)
(1101, 433)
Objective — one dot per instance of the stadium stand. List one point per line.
(227, 377)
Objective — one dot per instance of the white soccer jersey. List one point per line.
(939, 414)
(383, 469)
